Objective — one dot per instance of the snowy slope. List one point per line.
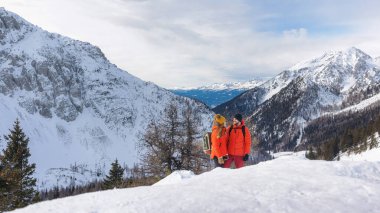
(368, 155)
(281, 107)
(360, 106)
(79, 110)
(377, 61)
(341, 71)
(286, 184)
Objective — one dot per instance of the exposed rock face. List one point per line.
(279, 109)
(67, 94)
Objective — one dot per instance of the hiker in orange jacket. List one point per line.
(218, 141)
(238, 143)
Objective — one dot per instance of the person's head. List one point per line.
(219, 120)
(238, 118)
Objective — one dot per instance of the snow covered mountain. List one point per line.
(281, 107)
(78, 109)
(216, 94)
(288, 184)
(377, 61)
(231, 86)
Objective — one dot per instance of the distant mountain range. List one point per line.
(216, 94)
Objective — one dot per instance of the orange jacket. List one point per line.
(218, 145)
(237, 145)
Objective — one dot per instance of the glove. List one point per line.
(245, 158)
(220, 160)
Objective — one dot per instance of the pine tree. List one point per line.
(4, 187)
(16, 171)
(319, 152)
(310, 155)
(115, 176)
(373, 142)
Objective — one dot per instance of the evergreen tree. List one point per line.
(373, 142)
(319, 152)
(115, 176)
(310, 154)
(16, 171)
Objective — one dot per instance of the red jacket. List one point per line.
(237, 144)
(218, 145)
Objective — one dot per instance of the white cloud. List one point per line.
(190, 43)
(295, 33)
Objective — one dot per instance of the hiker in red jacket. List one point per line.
(238, 143)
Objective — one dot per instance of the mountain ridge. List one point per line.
(330, 81)
(76, 107)
(218, 93)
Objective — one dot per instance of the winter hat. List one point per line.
(219, 119)
(239, 117)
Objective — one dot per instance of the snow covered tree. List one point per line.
(16, 171)
(115, 176)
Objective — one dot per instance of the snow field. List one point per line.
(289, 183)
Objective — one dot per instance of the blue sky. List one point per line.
(200, 42)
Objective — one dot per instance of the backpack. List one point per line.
(242, 129)
(229, 133)
(207, 141)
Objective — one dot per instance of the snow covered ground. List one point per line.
(370, 155)
(290, 183)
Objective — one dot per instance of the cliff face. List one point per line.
(280, 108)
(76, 106)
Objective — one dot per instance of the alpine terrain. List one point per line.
(79, 110)
(280, 110)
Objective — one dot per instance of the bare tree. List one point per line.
(172, 144)
(192, 155)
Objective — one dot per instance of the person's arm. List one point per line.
(223, 145)
(247, 144)
(215, 143)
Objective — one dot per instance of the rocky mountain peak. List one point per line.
(9, 20)
(74, 104)
(12, 27)
(342, 70)
(346, 58)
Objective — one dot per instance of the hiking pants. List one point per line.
(232, 158)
